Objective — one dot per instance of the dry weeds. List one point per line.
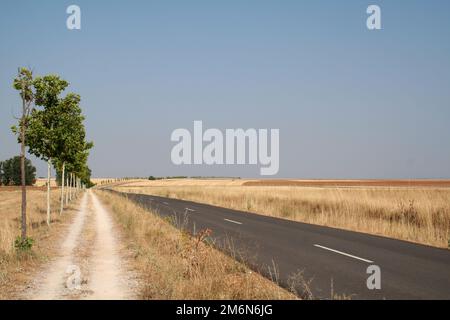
(419, 215)
(16, 269)
(175, 265)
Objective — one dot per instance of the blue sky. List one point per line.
(349, 102)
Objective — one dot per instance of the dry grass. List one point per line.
(415, 214)
(431, 183)
(10, 215)
(14, 267)
(434, 183)
(183, 182)
(41, 182)
(175, 265)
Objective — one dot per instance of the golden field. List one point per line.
(175, 265)
(412, 210)
(41, 182)
(10, 204)
(15, 268)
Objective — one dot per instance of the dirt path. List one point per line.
(90, 264)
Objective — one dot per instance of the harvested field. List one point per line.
(419, 214)
(351, 183)
(17, 269)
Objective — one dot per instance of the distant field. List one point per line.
(288, 183)
(184, 182)
(102, 180)
(41, 182)
(350, 183)
(31, 188)
(416, 210)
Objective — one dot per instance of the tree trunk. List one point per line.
(73, 187)
(67, 191)
(62, 189)
(70, 186)
(22, 177)
(48, 190)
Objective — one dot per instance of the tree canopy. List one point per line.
(56, 131)
(42, 133)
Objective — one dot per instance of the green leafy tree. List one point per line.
(24, 84)
(55, 133)
(79, 167)
(42, 132)
(11, 174)
(69, 138)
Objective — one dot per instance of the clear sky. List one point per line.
(349, 102)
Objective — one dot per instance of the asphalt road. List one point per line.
(333, 262)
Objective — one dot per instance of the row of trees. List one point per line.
(10, 172)
(52, 127)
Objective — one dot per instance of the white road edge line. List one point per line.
(232, 221)
(343, 253)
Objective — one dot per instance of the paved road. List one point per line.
(332, 260)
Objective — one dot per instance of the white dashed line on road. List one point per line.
(343, 253)
(189, 209)
(232, 221)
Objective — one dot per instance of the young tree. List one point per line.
(80, 168)
(24, 84)
(42, 133)
(70, 137)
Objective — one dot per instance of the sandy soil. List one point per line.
(91, 263)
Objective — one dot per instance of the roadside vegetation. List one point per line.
(419, 215)
(50, 127)
(17, 265)
(176, 265)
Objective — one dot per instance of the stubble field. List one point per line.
(412, 210)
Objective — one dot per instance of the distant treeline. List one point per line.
(193, 177)
(10, 172)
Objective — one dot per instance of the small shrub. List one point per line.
(249, 205)
(23, 244)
